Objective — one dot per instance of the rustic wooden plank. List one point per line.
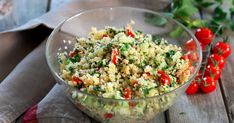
(227, 81)
(199, 108)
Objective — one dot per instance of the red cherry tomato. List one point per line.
(199, 75)
(216, 60)
(222, 49)
(192, 56)
(127, 93)
(108, 115)
(130, 33)
(203, 47)
(164, 78)
(114, 56)
(208, 84)
(190, 45)
(204, 35)
(193, 88)
(213, 72)
(76, 80)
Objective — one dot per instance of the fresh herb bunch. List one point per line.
(184, 11)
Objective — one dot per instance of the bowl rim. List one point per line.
(56, 76)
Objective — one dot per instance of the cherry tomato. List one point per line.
(127, 93)
(164, 78)
(76, 80)
(130, 33)
(208, 84)
(199, 75)
(222, 49)
(203, 47)
(213, 72)
(216, 60)
(114, 56)
(193, 88)
(204, 35)
(108, 115)
(192, 56)
(190, 45)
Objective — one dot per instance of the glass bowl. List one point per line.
(102, 109)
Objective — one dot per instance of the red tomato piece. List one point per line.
(203, 47)
(132, 104)
(222, 48)
(72, 54)
(148, 75)
(190, 45)
(76, 80)
(130, 33)
(105, 35)
(216, 60)
(164, 78)
(127, 93)
(208, 84)
(193, 88)
(204, 35)
(135, 83)
(114, 55)
(108, 115)
(213, 72)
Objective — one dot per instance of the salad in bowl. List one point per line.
(121, 74)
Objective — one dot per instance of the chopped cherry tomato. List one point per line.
(130, 33)
(132, 104)
(204, 35)
(190, 45)
(184, 57)
(208, 84)
(216, 60)
(108, 115)
(135, 83)
(72, 54)
(127, 93)
(114, 56)
(213, 72)
(222, 48)
(148, 75)
(105, 35)
(164, 78)
(76, 80)
(193, 88)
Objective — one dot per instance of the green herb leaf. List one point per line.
(207, 4)
(219, 14)
(176, 33)
(186, 9)
(155, 20)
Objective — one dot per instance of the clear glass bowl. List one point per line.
(117, 110)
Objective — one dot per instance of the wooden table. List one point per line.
(216, 107)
